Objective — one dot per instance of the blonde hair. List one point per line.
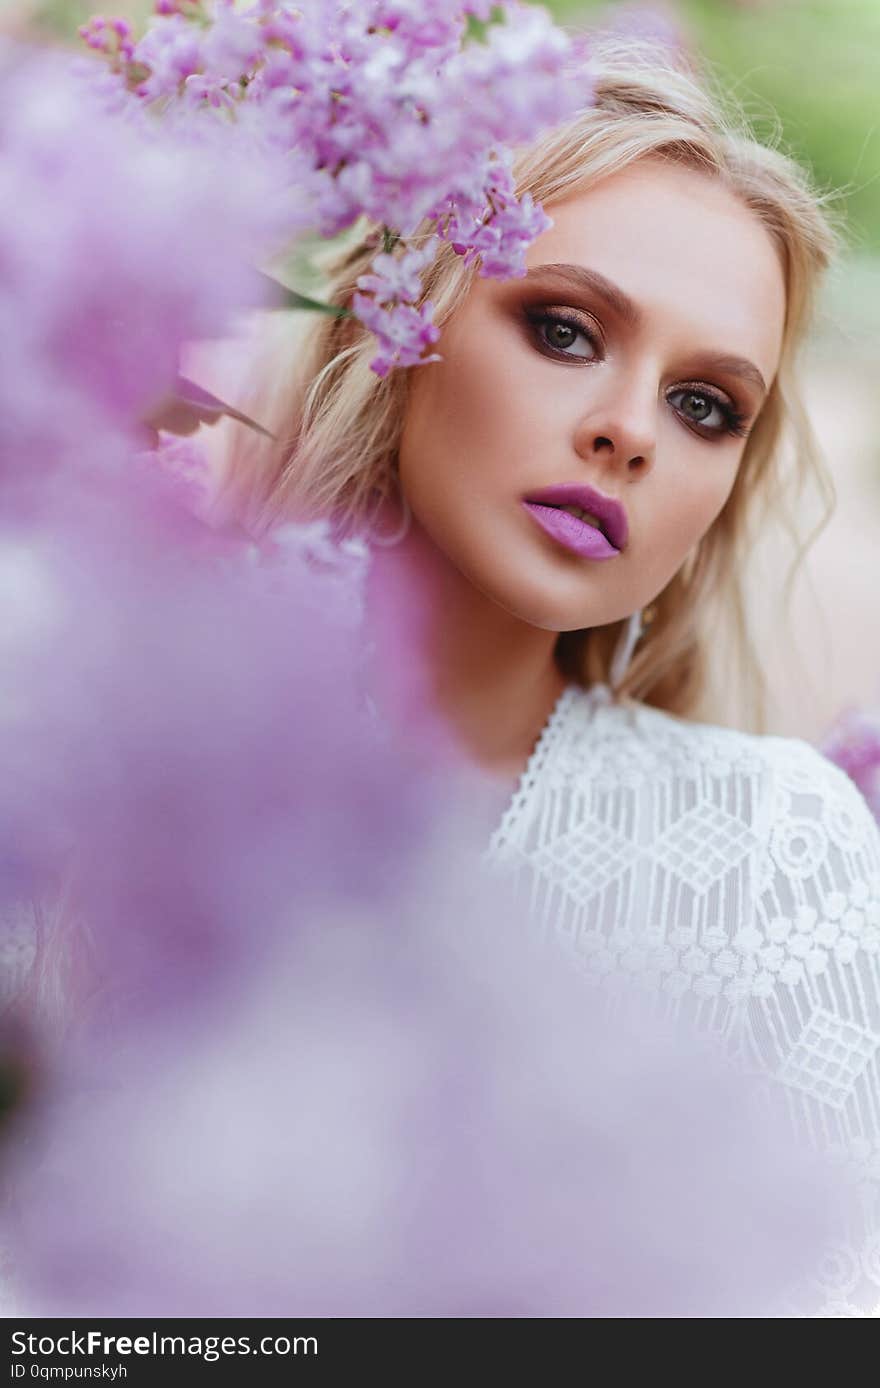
(338, 425)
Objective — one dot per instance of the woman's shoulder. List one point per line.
(799, 779)
(784, 788)
(809, 787)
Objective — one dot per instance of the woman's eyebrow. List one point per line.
(578, 277)
(735, 366)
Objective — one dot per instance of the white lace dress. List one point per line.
(738, 878)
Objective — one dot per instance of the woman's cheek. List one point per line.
(668, 533)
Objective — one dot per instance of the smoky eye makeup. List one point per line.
(696, 404)
(570, 335)
(565, 333)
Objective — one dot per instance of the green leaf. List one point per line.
(476, 29)
(291, 298)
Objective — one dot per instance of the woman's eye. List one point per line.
(706, 411)
(563, 337)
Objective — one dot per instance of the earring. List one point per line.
(629, 639)
(387, 541)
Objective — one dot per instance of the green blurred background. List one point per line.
(807, 71)
(809, 66)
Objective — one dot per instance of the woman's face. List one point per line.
(633, 359)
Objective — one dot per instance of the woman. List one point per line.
(574, 482)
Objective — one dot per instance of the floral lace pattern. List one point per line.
(736, 879)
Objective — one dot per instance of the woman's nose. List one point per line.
(623, 431)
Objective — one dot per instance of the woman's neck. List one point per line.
(491, 677)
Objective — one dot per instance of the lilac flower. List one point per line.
(116, 247)
(402, 329)
(403, 332)
(380, 110)
(171, 52)
(397, 279)
(129, 557)
(392, 1119)
(111, 37)
(200, 91)
(853, 743)
(233, 43)
(300, 1026)
(502, 238)
(319, 1043)
(186, 464)
(428, 23)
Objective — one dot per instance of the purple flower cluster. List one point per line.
(386, 109)
(386, 305)
(310, 1042)
(109, 36)
(853, 743)
(116, 247)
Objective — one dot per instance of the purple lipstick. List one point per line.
(601, 535)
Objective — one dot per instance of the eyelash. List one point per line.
(735, 422)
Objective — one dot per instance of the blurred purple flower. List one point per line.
(186, 464)
(405, 1111)
(115, 249)
(112, 37)
(853, 742)
(141, 629)
(302, 1029)
(171, 52)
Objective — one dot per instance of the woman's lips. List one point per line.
(576, 535)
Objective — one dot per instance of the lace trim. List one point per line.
(549, 735)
